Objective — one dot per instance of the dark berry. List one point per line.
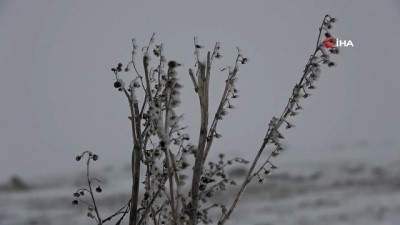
(98, 189)
(173, 64)
(95, 157)
(117, 84)
(330, 64)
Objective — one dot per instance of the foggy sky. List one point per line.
(57, 97)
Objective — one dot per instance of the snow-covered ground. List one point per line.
(353, 193)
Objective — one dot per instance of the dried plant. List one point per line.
(178, 179)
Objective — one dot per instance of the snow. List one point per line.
(337, 193)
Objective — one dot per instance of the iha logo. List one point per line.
(331, 42)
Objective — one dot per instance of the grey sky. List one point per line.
(57, 97)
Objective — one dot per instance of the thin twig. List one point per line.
(118, 212)
(99, 222)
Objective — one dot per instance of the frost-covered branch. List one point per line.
(273, 136)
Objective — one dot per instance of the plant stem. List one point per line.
(197, 170)
(91, 192)
(136, 155)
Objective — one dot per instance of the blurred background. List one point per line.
(342, 164)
